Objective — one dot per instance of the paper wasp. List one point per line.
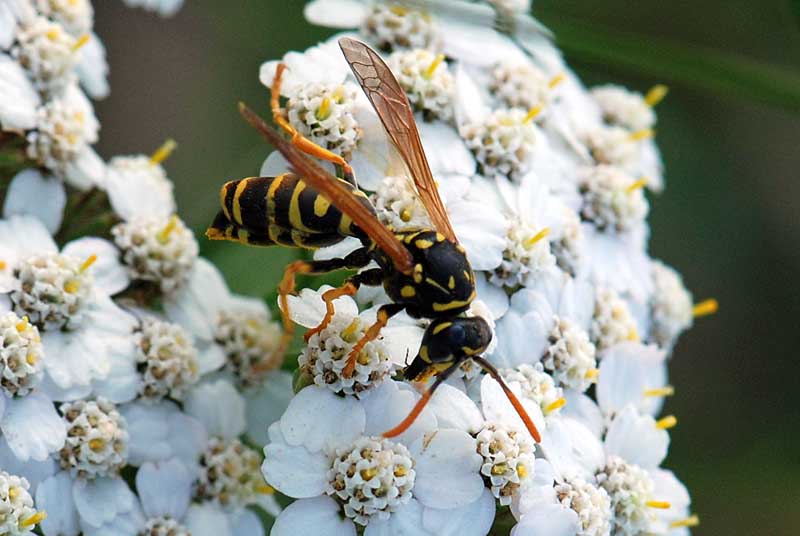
(424, 271)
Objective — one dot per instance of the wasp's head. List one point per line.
(447, 340)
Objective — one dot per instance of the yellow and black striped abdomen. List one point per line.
(281, 210)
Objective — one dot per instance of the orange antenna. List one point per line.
(422, 402)
(488, 367)
(441, 378)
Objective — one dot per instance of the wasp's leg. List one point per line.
(384, 314)
(300, 141)
(373, 277)
(355, 259)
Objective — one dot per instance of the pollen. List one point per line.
(3, 265)
(691, 521)
(264, 489)
(90, 260)
(555, 404)
(72, 286)
(656, 94)
(667, 390)
(163, 152)
(705, 308)
(670, 421)
(556, 80)
(97, 444)
(163, 235)
(661, 505)
(529, 243)
(22, 325)
(643, 134)
(432, 67)
(522, 471)
(324, 110)
(637, 185)
(34, 519)
(592, 373)
(348, 333)
(80, 42)
(533, 112)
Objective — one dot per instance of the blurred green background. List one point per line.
(728, 220)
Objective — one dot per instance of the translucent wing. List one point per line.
(391, 105)
(339, 196)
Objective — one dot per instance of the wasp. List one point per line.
(424, 271)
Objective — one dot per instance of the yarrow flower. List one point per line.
(137, 390)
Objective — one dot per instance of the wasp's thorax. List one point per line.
(441, 283)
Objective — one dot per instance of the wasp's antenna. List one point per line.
(422, 402)
(488, 367)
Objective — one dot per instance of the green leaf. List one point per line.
(794, 5)
(693, 66)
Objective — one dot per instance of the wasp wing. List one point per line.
(391, 105)
(339, 196)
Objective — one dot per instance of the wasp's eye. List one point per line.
(457, 334)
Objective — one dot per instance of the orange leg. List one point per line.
(286, 287)
(298, 140)
(348, 289)
(384, 314)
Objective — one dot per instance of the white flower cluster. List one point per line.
(544, 182)
(131, 379)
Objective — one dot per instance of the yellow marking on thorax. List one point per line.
(321, 205)
(423, 244)
(455, 304)
(451, 283)
(423, 353)
(237, 210)
(439, 237)
(417, 273)
(441, 327)
(408, 291)
(409, 237)
(434, 283)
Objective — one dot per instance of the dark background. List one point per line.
(728, 220)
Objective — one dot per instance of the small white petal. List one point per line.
(316, 418)
(474, 519)
(294, 471)
(636, 439)
(92, 68)
(308, 309)
(266, 404)
(26, 235)
(447, 469)
(246, 522)
(219, 406)
(18, 97)
(572, 449)
(548, 520)
(313, 517)
(110, 276)
(206, 520)
(34, 471)
(335, 13)
(196, 304)
(54, 496)
(100, 500)
(627, 370)
(498, 409)
(165, 488)
(405, 521)
(454, 409)
(492, 295)
(32, 427)
(86, 170)
(38, 195)
(669, 488)
(583, 409)
(162, 431)
(446, 151)
(74, 357)
(388, 405)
